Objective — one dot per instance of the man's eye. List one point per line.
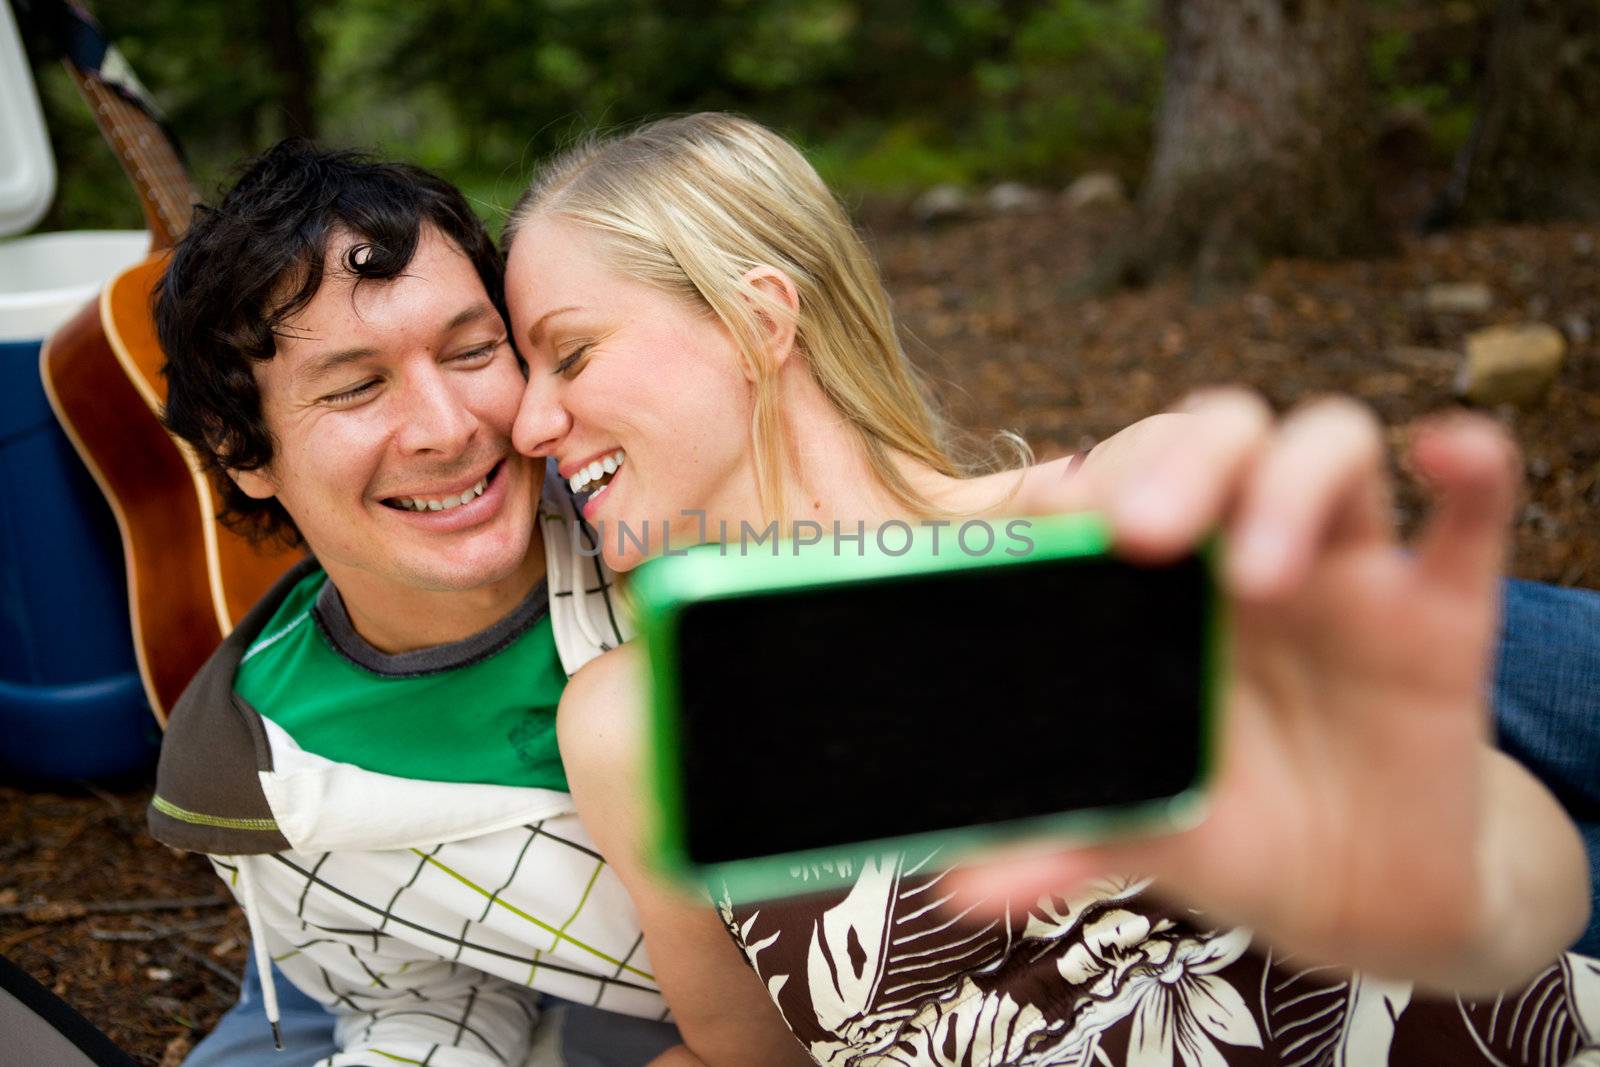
(571, 361)
(355, 392)
(481, 353)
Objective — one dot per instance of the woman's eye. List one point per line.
(571, 361)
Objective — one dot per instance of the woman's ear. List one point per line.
(777, 307)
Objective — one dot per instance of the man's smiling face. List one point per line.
(390, 405)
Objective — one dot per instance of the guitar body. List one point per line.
(189, 577)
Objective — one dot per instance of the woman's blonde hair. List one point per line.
(690, 205)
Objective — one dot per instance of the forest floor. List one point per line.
(993, 314)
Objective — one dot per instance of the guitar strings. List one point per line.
(113, 117)
(165, 170)
(157, 171)
(158, 168)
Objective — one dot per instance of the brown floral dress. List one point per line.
(879, 974)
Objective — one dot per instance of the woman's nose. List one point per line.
(542, 420)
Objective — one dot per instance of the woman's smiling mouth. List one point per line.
(597, 475)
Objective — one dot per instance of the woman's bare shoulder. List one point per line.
(602, 707)
(1074, 482)
(1153, 431)
(618, 667)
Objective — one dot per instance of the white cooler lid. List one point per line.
(46, 277)
(27, 169)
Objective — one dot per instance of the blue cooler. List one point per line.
(71, 704)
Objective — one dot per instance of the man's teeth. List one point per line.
(600, 468)
(417, 503)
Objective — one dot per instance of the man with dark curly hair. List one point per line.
(370, 759)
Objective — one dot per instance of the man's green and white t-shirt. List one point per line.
(479, 710)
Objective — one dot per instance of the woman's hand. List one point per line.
(1358, 814)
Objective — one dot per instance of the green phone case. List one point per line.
(663, 587)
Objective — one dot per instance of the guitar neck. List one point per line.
(146, 154)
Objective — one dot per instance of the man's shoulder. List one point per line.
(208, 788)
(213, 683)
(208, 791)
(273, 648)
(282, 606)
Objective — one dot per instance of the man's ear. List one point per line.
(777, 307)
(256, 484)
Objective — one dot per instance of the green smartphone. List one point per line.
(817, 704)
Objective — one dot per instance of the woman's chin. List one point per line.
(621, 562)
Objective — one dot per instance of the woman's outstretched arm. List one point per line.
(724, 1014)
(1360, 814)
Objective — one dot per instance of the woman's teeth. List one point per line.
(417, 503)
(596, 474)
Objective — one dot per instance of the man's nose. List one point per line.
(434, 417)
(542, 420)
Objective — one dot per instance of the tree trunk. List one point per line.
(1534, 152)
(1263, 140)
(295, 66)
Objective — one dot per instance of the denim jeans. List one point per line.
(576, 1034)
(1547, 706)
(243, 1037)
(1547, 715)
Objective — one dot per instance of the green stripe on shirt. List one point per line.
(491, 719)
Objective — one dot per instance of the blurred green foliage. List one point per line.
(1422, 67)
(890, 96)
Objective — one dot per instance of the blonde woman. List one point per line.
(702, 322)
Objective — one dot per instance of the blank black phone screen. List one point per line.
(824, 717)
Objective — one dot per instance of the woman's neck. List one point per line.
(829, 476)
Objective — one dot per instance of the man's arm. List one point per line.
(725, 1016)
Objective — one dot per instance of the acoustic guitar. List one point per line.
(189, 576)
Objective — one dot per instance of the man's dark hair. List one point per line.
(258, 259)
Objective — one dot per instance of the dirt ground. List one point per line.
(107, 918)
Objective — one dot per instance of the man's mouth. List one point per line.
(445, 503)
(597, 475)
